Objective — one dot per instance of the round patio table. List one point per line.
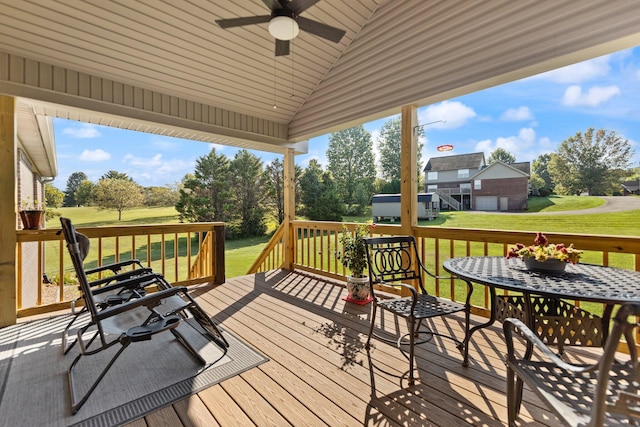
(540, 299)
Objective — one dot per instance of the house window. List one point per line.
(432, 176)
(463, 173)
(477, 184)
(432, 188)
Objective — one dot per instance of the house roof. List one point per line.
(522, 166)
(632, 186)
(168, 68)
(498, 165)
(458, 161)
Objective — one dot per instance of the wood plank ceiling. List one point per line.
(166, 67)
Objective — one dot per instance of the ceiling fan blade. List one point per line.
(319, 29)
(239, 22)
(282, 47)
(299, 6)
(272, 4)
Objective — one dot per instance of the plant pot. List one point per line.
(358, 288)
(32, 220)
(550, 266)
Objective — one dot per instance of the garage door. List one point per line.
(487, 203)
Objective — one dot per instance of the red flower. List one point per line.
(541, 239)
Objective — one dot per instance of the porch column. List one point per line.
(8, 211)
(289, 207)
(409, 169)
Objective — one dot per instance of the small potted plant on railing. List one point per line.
(32, 214)
(545, 257)
(354, 258)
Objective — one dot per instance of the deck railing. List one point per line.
(316, 247)
(185, 254)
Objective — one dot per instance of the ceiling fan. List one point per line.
(285, 22)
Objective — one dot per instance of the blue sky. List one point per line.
(527, 118)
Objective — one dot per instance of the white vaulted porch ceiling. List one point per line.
(165, 66)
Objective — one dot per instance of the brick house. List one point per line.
(501, 186)
(465, 182)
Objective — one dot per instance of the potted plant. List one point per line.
(354, 258)
(544, 256)
(32, 214)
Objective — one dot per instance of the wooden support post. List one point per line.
(409, 170)
(219, 266)
(289, 208)
(8, 211)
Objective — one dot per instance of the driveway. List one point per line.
(612, 204)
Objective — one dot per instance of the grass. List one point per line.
(240, 254)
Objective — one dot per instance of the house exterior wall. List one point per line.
(30, 190)
(515, 189)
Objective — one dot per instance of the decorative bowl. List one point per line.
(550, 266)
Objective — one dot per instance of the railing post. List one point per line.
(218, 262)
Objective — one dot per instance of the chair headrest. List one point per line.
(83, 244)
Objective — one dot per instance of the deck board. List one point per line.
(318, 372)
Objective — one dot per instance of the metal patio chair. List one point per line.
(116, 287)
(394, 261)
(604, 393)
(134, 320)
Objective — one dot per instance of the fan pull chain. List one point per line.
(275, 88)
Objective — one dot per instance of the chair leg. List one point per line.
(514, 395)
(412, 339)
(373, 322)
(76, 405)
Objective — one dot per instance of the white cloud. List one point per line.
(450, 115)
(595, 96)
(82, 131)
(578, 73)
(97, 155)
(525, 145)
(517, 114)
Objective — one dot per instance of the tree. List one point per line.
(500, 154)
(117, 194)
(274, 179)
(116, 175)
(593, 162)
(248, 182)
(84, 193)
(351, 161)
(52, 196)
(72, 185)
(205, 195)
(160, 196)
(389, 149)
(319, 195)
(540, 167)
(536, 183)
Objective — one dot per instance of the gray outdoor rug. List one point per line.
(148, 375)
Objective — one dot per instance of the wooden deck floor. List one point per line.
(319, 375)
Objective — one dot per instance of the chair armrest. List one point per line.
(131, 283)
(121, 276)
(509, 326)
(115, 267)
(149, 300)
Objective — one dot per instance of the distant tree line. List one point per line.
(114, 190)
(594, 162)
(245, 193)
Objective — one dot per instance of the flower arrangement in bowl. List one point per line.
(545, 256)
(354, 258)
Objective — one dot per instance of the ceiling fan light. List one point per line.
(283, 28)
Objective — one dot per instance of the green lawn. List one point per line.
(240, 254)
